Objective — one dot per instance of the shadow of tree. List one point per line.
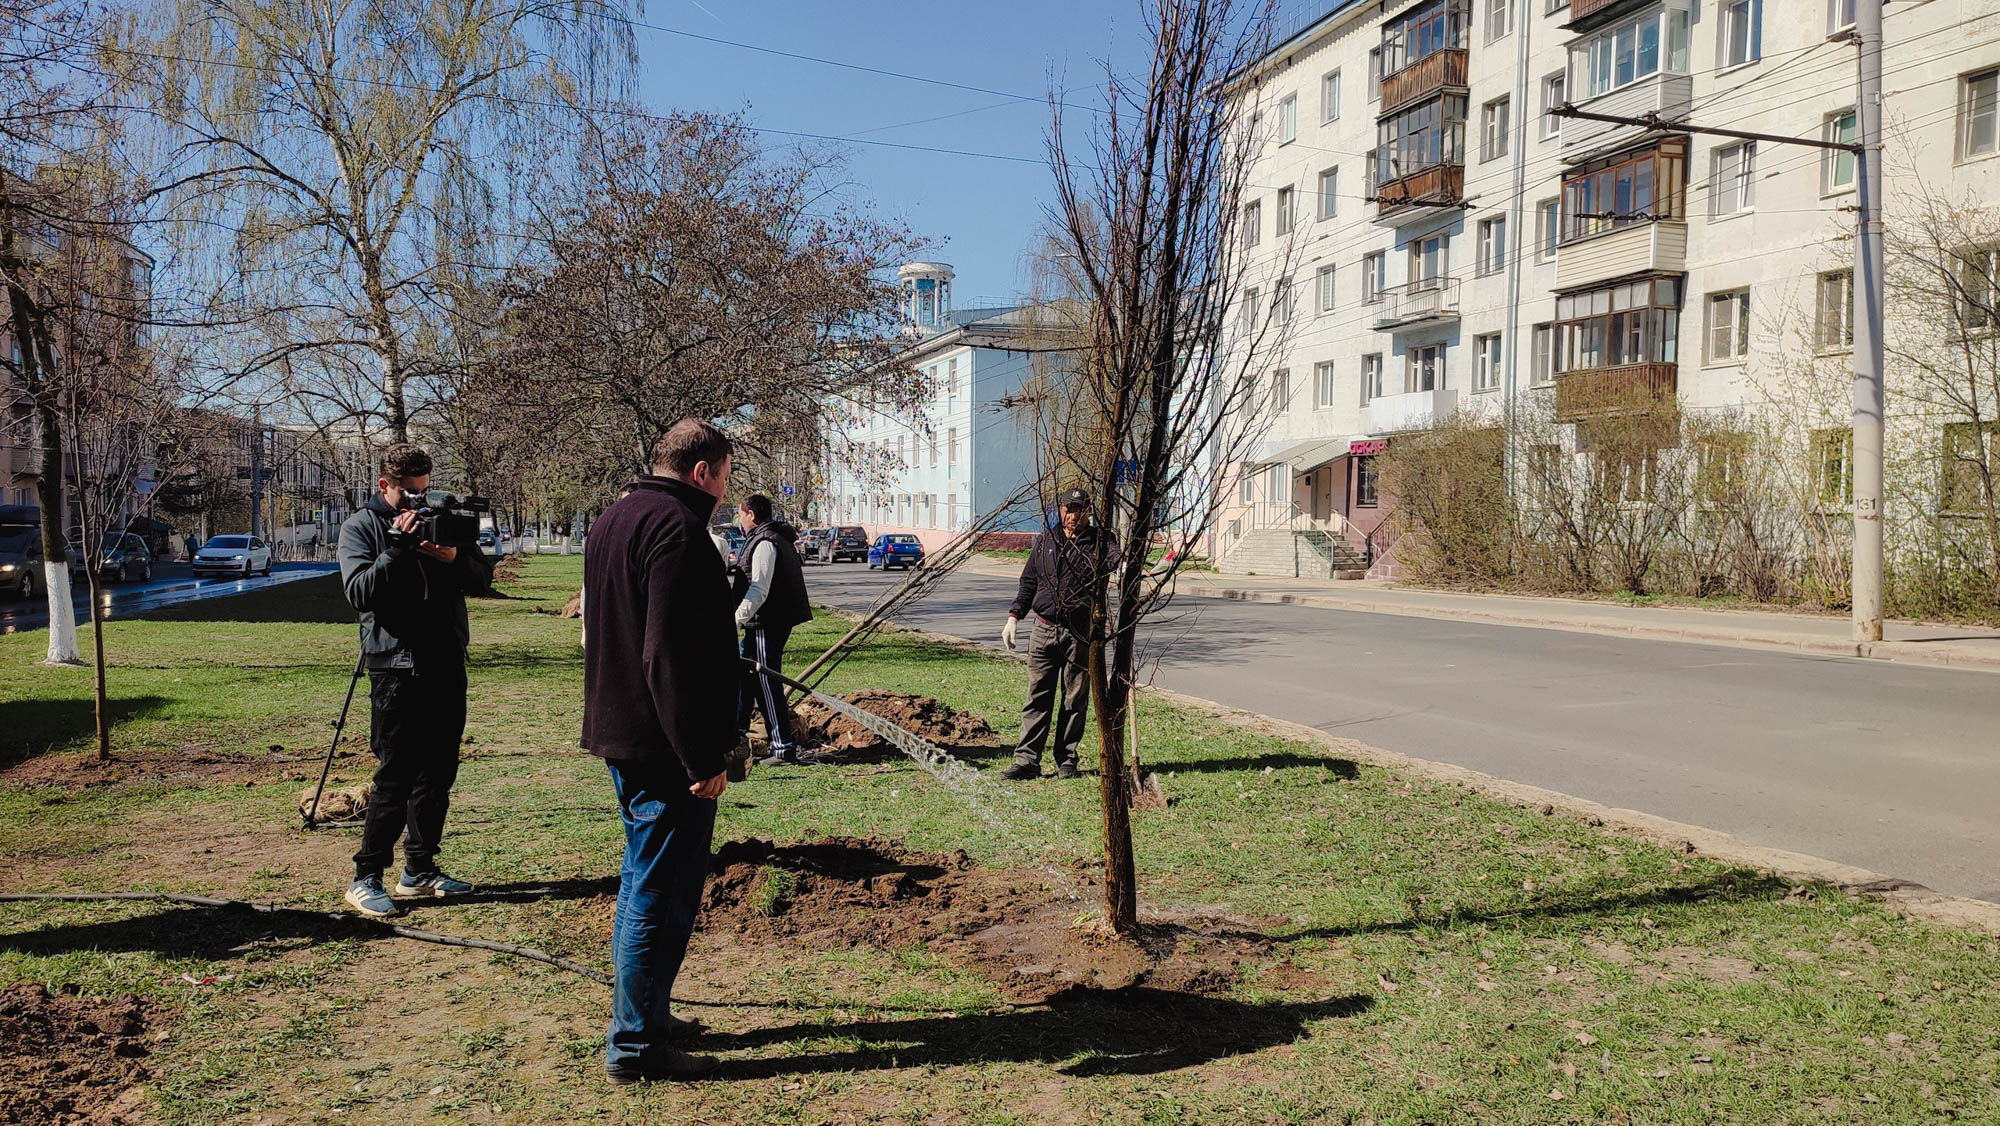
(1276, 760)
(32, 727)
(311, 601)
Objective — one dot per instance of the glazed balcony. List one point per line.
(1429, 301)
(1586, 14)
(1435, 73)
(1627, 389)
(1420, 193)
(1656, 247)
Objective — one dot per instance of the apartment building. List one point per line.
(1456, 247)
(970, 451)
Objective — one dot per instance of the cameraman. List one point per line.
(411, 597)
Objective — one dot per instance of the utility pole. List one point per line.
(256, 472)
(1869, 279)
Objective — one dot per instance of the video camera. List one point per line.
(452, 522)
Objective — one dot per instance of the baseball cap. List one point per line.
(1075, 498)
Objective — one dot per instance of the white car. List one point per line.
(242, 556)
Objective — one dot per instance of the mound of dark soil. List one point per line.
(921, 715)
(1015, 925)
(145, 765)
(70, 1059)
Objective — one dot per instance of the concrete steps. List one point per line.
(1284, 553)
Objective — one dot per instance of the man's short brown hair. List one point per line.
(405, 459)
(688, 443)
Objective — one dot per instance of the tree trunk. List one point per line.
(1121, 890)
(97, 643)
(55, 554)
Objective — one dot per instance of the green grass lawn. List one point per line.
(1433, 955)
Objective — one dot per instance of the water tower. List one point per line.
(926, 295)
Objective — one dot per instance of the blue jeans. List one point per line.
(667, 837)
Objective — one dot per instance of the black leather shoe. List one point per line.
(1067, 770)
(1022, 771)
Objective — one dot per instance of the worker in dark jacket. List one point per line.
(1056, 585)
(774, 602)
(661, 656)
(411, 597)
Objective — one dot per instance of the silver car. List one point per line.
(241, 556)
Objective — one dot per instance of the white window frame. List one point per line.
(1281, 301)
(1374, 275)
(1732, 332)
(1833, 320)
(1499, 19)
(1486, 362)
(1494, 141)
(1374, 74)
(1730, 15)
(1839, 16)
(1548, 228)
(1371, 377)
(1740, 184)
(1831, 162)
(1324, 296)
(1323, 385)
(1283, 211)
(1542, 355)
(1253, 223)
(1423, 361)
(1329, 96)
(1593, 57)
(1970, 112)
(1559, 84)
(1329, 192)
(1492, 246)
(1555, 6)
(1250, 310)
(1281, 391)
(1288, 119)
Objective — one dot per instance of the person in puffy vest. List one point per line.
(773, 581)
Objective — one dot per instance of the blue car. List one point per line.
(895, 550)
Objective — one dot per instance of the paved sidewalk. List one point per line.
(1917, 643)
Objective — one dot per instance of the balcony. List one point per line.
(1415, 410)
(1586, 14)
(1427, 302)
(1420, 193)
(1668, 95)
(1641, 248)
(1434, 73)
(1598, 392)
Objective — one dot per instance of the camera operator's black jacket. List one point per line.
(1055, 583)
(412, 606)
(660, 669)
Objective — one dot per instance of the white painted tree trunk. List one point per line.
(62, 615)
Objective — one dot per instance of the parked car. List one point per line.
(125, 556)
(735, 536)
(808, 544)
(488, 540)
(896, 549)
(20, 551)
(847, 541)
(233, 555)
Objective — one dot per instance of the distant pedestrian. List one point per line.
(774, 603)
(658, 606)
(1056, 585)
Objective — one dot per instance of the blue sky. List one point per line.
(981, 214)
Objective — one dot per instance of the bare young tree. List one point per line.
(1169, 369)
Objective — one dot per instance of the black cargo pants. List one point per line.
(1057, 658)
(416, 718)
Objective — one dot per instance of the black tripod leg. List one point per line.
(339, 725)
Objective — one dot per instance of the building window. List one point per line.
(1288, 119)
(1486, 362)
(1284, 211)
(1728, 326)
(1374, 268)
(1374, 74)
(1631, 51)
(1429, 259)
(932, 443)
(1281, 391)
(1636, 322)
(951, 377)
(1542, 354)
(1553, 98)
(1555, 6)
(951, 446)
(1833, 324)
(1329, 97)
(1970, 452)
(1423, 30)
(1493, 129)
(1423, 136)
(1492, 245)
(1833, 465)
(1424, 368)
(1979, 114)
(1253, 224)
(1738, 34)
(1323, 297)
(1548, 226)
(1839, 15)
(1978, 289)
(1251, 310)
(1623, 190)
(1733, 189)
(1364, 481)
(1329, 194)
(1246, 487)
(1323, 385)
(1499, 19)
(1371, 377)
(1281, 301)
(1837, 165)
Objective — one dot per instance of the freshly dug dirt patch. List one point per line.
(922, 715)
(187, 764)
(73, 1060)
(1010, 924)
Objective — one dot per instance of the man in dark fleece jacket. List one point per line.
(659, 672)
(1056, 585)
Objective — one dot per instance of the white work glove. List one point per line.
(1007, 631)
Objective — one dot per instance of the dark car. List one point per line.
(896, 549)
(846, 541)
(20, 550)
(125, 556)
(735, 536)
(808, 544)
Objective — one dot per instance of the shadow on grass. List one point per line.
(1136, 1031)
(1277, 760)
(876, 755)
(316, 600)
(32, 727)
(524, 657)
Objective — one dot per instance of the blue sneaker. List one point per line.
(365, 895)
(432, 885)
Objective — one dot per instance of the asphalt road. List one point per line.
(1891, 768)
(171, 584)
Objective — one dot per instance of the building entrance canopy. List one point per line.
(1309, 455)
